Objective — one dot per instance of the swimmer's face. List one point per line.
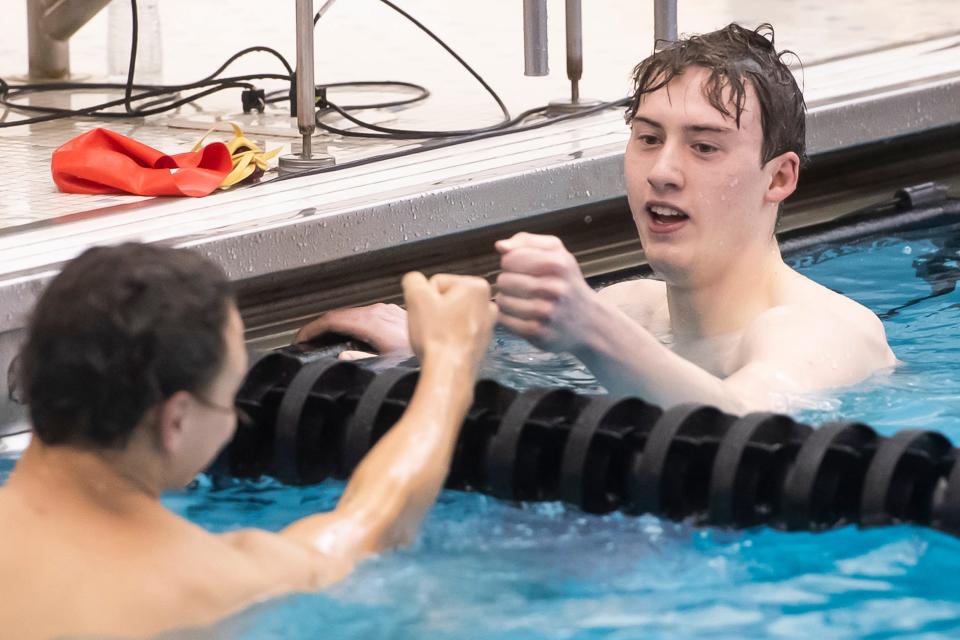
(212, 422)
(698, 193)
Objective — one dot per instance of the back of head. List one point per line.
(733, 56)
(118, 331)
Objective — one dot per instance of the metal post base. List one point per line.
(564, 107)
(297, 163)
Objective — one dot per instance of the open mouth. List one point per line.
(664, 216)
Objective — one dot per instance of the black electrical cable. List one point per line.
(248, 50)
(167, 97)
(443, 143)
(483, 83)
(392, 134)
(282, 95)
(134, 38)
(149, 90)
(404, 134)
(98, 110)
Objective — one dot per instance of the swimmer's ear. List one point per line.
(170, 421)
(784, 171)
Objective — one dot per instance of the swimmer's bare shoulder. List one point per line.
(817, 338)
(849, 320)
(642, 300)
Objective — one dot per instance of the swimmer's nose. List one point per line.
(665, 173)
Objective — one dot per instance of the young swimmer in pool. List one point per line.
(717, 140)
(132, 362)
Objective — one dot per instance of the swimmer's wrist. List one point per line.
(450, 377)
(595, 340)
(460, 353)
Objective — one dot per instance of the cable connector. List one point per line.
(254, 100)
(319, 96)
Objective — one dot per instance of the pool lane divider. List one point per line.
(308, 417)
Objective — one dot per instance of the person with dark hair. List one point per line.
(133, 357)
(717, 141)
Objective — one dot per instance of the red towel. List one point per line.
(102, 161)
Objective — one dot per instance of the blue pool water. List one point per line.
(487, 569)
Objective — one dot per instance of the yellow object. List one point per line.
(247, 157)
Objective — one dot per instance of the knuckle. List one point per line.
(544, 309)
(562, 289)
(555, 267)
(552, 289)
(538, 331)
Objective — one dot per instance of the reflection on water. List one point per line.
(518, 364)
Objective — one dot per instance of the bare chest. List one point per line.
(718, 355)
(645, 302)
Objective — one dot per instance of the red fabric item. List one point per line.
(102, 161)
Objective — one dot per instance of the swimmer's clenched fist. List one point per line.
(543, 296)
(449, 314)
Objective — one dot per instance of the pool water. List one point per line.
(487, 569)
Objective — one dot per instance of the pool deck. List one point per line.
(861, 86)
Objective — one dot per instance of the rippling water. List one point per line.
(487, 569)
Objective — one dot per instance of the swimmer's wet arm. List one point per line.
(630, 361)
(777, 353)
(385, 500)
(398, 481)
(450, 323)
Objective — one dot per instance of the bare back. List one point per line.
(71, 567)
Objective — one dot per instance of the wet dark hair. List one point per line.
(117, 332)
(733, 56)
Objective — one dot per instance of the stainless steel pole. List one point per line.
(574, 42)
(574, 48)
(535, 60)
(306, 96)
(50, 23)
(48, 59)
(664, 21)
(306, 93)
(63, 18)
